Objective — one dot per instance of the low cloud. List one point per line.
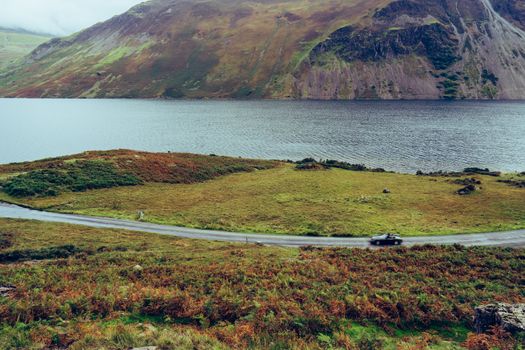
(59, 17)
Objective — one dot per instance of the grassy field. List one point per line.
(14, 45)
(85, 288)
(284, 200)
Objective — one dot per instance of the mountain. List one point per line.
(15, 44)
(318, 49)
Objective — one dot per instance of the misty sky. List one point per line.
(59, 17)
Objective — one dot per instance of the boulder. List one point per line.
(467, 190)
(5, 290)
(467, 181)
(515, 183)
(510, 317)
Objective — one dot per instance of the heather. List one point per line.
(244, 295)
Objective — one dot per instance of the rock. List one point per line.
(467, 190)
(514, 183)
(138, 268)
(510, 317)
(468, 181)
(5, 290)
(386, 190)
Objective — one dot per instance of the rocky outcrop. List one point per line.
(512, 10)
(434, 41)
(467, 181)
(514, 183)
(509, 317)
(5, 290)
(469, 189)
(463, 50)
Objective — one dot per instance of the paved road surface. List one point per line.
(511, 239)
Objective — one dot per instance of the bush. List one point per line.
(368, 342)
(6, 240)
(77, 177)
(480, 171)
(312, 164)
(60, 252)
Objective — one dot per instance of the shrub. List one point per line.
(77, 177)
(6, 240)
(480, 171)
(312, 164)
(368, 342)
(59, 252)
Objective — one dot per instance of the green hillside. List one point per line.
(16, 44)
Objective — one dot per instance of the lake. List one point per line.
(404, 136)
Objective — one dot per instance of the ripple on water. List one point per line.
(403, 136)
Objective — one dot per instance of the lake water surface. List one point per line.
(402, 136)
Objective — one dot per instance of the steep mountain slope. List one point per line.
(421, 49)
(336, 49)
(16, 44)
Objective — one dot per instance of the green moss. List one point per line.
(303, 54)
(450, 87)
(489, 91)
(119, 53)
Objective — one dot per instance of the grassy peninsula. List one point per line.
(243, 195)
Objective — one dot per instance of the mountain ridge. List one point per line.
(296, 49)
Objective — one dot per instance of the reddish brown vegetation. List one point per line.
(496, 339)
(241, 295)
(154, 167)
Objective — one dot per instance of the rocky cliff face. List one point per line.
(451, 49)
(512, 10)
(336, 49)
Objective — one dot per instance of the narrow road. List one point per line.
(510, 239)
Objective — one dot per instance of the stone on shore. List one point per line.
(510, 317)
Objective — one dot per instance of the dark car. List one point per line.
(386, 239)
